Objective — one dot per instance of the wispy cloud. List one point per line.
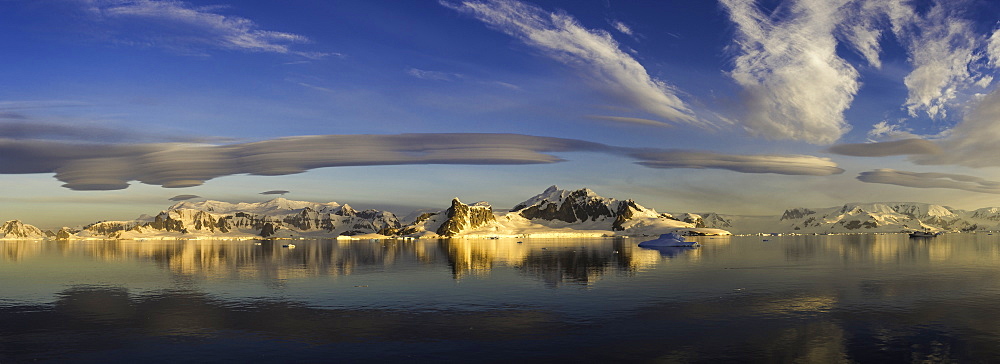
(22, 126)
(930, 180)
(10, 115)
(626, 119)
(884, 129)
(862, 29)
(21, 120)
(795, 85)
(622, 27)
(883, 149)
(592, 51)
(97, 166)
(993, 49)
(315, 87)
(433, 75)
(777, 164)
(39, 104)
(181, 26)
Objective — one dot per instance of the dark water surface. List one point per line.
(858, 298)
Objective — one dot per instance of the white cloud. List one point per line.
(974, 141)
(943, 50)
(930, 180)
(884, 129)
(795, 85)
(622, 27)
(862, 29)
(993, 49)
(592, 51)
(179, 25)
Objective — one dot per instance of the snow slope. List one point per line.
(880, 217)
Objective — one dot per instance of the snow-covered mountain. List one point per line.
(16, 230)
(275, 218)
(552, 213)
(881, 217)
(277, 206)
(456, 220)
(584, 209)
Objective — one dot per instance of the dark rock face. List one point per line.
(269, 229)
(63, 234)
(412, 228)
(987, 214)
(954, 223)
(578, 206)
(798, 213)
(855, 224)
(626, 210)
(164, 222)
(307, 220)
(243, 220)
(462, 217)
(698, 221)
(108, 228)
(389, 231)
(550, 212)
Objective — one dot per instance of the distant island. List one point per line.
(554, 213)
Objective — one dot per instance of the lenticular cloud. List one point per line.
(87, 167)
(777, 164)
(884, 149)
(930, 180)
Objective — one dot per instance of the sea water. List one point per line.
(843, 298)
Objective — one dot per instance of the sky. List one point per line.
(114, 108)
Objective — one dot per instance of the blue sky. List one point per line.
(110, 108)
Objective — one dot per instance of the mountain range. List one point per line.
(553, 213)
(879, 217)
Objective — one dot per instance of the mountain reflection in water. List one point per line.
(553, 261)
(867, 298)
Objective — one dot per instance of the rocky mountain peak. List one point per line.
(17, 229)
(463, 217)
(568, 206)
(347, 210)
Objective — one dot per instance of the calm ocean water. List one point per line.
(858, 298)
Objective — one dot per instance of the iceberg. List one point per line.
(668, 240)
